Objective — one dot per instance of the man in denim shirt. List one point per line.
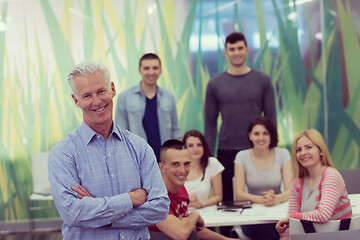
(148, 110)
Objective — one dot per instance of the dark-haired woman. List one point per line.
(262, 169)
(205, 172)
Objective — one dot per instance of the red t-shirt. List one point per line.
(178, 205)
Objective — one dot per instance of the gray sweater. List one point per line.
(239, 99)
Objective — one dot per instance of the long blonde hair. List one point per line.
(298, 170)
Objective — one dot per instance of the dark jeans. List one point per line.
(261, 231)
(227, 157)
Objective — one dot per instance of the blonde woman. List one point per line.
(318, 191)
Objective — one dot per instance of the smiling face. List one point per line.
(195, 147)
(307, 153)
(175, 168)
(150, 71)
(95, 99)
(260, 137)
(237, 53)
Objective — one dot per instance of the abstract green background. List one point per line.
(309, 48)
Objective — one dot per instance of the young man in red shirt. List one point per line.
(175, 166)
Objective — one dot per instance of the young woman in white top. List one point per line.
(205, 172)
(262, 169)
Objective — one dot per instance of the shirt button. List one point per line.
(122, 237)
(112, 175)
(98, 136)
(109, 154)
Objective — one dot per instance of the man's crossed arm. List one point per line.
(138, 196)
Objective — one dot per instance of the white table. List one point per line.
(258, 214)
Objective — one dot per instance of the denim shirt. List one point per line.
(130, 109)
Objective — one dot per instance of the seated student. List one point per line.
(175, 166)
(262, 169)
(318, 191)
(205, 172)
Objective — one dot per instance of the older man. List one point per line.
(104, 180)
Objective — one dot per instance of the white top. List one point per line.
(262, 180)
(202, 188)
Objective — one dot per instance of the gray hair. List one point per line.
(85, 69)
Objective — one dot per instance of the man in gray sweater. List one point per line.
(239, 94)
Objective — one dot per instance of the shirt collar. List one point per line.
(137, 89)
(89, 134)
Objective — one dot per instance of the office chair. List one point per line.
(346, 229)
(352, 179)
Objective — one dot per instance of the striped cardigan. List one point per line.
(332, 198)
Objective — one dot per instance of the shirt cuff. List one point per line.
(122, 205)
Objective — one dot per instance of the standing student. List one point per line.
(148, 110)
(239, 94)
(205, 172)
(104, 180)
(318, 192)
(262, 169)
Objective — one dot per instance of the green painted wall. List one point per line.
(310, 50)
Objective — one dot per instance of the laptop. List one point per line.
(238, 204)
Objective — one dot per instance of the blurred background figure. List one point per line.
(205, 172)
(239, 95)
(148, 110)
(262, 169)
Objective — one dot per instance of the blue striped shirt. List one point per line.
(108, 170)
